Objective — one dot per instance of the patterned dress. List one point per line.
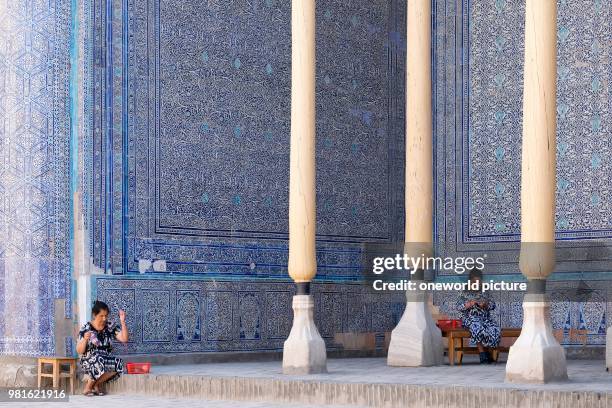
(97, 359)
(478, 320)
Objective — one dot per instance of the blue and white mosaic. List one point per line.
(35, 172)
(478, 149)
(195, 164)
(194, 315)
(575, 321)
(219, 212)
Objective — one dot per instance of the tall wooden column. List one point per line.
(417, 341)
(304, 351)
(536, 356)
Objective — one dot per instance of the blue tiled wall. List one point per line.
(193, 135)
(191, 165)
(34, 172)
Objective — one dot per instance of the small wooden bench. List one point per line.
(56, 373)
(457, 348)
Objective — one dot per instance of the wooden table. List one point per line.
(456, 348)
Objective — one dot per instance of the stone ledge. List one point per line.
(353, 394)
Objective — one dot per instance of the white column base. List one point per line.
(609, 348)
(536, 356)
(304, 350)
(416, 341)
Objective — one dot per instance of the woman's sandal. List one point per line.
(89, 393)
(98, 392)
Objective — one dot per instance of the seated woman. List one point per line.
(95, 347)
(475, 307)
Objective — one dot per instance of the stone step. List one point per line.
(322, 393)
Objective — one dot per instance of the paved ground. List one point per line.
(145, 402)
(584, 375)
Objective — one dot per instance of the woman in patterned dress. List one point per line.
(475, 307)
(95, 347)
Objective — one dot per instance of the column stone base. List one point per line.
(609, 348)
(536, 356)
(416, 341)
(304, 350)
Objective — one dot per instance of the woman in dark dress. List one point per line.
(475, 307)
(95, 347)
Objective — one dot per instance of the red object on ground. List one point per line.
(449, 324)
(138, 368)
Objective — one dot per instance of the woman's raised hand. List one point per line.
(122, 316)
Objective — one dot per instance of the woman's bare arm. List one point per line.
(82, 344)
(123, 335)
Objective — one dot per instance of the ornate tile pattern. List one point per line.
(188, 319)
(224, 216)
(494, 125)
(477, 195)
(156, 324)
(236, 315)
(568, 312)
(250, 315)
(277, 303)
(34, 172)
(224, 209)
(219, 311)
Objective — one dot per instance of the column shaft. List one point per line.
(304, 350)
(302, 211)
(419, 149)
(538, 183)
(417, 341)
(536, 356)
